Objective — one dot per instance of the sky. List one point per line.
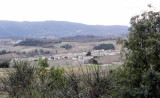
(93, 12)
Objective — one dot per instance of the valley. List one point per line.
(56, 54)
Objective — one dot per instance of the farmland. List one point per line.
(63, 56)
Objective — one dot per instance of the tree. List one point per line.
(4, 63)
(104, 46)
(88, 53)
(142, 52)
(66, 46)
(3, 52)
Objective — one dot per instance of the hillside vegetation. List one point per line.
(38, 42)
(90, 38)
(104, 46)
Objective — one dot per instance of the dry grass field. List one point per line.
(77, 47)
(68, 69)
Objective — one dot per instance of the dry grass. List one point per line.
(5, 71)
(90, 68)
(3, 96)
(109, 59)
(75, 69)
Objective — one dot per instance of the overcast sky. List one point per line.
(101, 12)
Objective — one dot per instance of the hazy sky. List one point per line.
(102, 12)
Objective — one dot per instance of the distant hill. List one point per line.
(56, 29)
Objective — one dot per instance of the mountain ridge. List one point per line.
(56, 29)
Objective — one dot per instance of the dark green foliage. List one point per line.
(150, 88)
(88, 53)
(48, 83)
(104, 46)
(67, 46)
(37, 42)
(89, 38)
(3, 52)
(142, 52)
(92, 61)
(4, 63)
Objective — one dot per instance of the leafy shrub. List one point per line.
(104, 46)
(92, 61)
(66, 46)
(37, 42)
(89, 82)
(4, 63)
(40, 82)
(150, 88)
(43, 62)
(18, 81)
(88, 53)
(48, 83)
(3, 52)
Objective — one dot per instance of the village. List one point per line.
(82, 57)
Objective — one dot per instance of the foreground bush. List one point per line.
(17, 82)
(96, 82)
(40, 82)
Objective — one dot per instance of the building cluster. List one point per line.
(74, 56)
